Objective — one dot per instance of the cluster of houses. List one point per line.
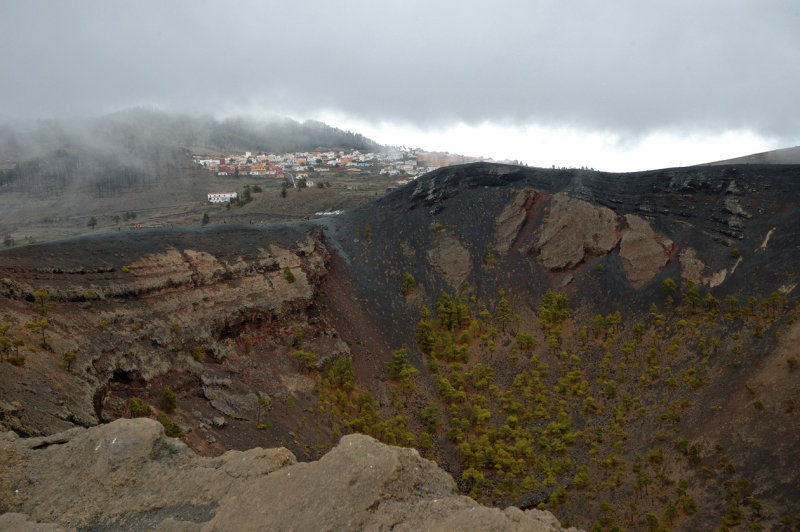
(399, 162)
(222, 197)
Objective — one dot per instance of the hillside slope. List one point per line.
(135, 167)
(617, 348)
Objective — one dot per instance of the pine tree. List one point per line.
(408, 283)
(39, 327)
(503, 312)
(444, 311)
(425, 337)
(462, 313)
(69, 357)
(42, 302)
(491, 257)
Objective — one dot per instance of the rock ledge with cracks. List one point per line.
(575, 229)
(127, 475)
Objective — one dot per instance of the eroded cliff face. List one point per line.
(574, 229)
(568, 231)
(643, 252)
(127, 475)
(180, 317)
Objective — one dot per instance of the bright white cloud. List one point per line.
(543, 146)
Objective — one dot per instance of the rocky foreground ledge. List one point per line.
(127, 475)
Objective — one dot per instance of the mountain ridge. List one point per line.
(781, 156)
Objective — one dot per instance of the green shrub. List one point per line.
(139, 408)
(525, 341)
(307, 359)
(491, 256)
(668, 286)
(288, 275)
(199, 353)
(17, 360)
(408, 283)
(554, 309)
(400, 368)
(69, 357)
(430, 415)
(171, 429)
(297, 339)
(169, 401)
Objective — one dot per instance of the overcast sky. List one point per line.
(615, 85)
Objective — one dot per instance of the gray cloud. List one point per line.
(630, 67)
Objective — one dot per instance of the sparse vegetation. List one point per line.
(40, 327)
(198, 353)
(69, 357)
(171, 429)
(41, 301)
(408, 283)
(308, 359)
(491, 256)
(139, 408)
(169, 401)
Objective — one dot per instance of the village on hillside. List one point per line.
(406, 164)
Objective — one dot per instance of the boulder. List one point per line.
(128, 475)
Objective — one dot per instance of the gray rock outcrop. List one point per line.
(574, 229)
(643, 252)
(513, 218)
(128, 475)
(451, 259)
(694, 269)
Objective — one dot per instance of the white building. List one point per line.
(221, 197)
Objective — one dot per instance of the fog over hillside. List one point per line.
(620, 87)
(141, 130)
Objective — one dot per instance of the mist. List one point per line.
(627, 70)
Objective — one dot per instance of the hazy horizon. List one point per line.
(625, 86)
